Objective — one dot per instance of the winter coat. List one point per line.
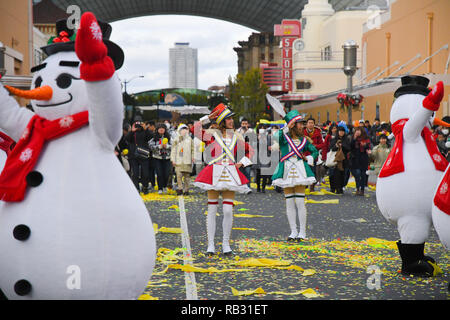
(317, 140)
(182, 153)
(155, 144)
(378, 156)
(345, 148)
(359, 159)
(135, 139)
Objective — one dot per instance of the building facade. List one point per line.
(183, 66)
(401, 41)
(259, 48)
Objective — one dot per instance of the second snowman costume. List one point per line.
(414, 167)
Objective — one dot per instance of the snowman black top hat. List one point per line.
(65, 41)
(413, 85)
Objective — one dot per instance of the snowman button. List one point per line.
(22, 287)
(21, 232)
(34, 178)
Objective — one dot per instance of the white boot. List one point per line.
(227, 225)
(291, 215)
(211, 225)
(301, 210)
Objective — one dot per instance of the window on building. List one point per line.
(337, 115)
(263, 57)
(318, 117)
(377, 110)
(362, 112)
(326, 53)
(271, 56)
(328, 115)
(303, 85)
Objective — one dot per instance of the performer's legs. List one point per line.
(228, 199)
(290, 212)
(213, 201)
(301, 210)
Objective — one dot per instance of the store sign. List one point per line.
(289, 30)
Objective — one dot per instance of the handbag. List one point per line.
(330, 162)
(141, 153)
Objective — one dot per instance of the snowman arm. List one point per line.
(413, 128)
(13, 118)
(105, 111)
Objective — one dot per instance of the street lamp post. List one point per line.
(126, 93)
(350, 67)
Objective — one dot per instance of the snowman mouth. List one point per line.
(55, 104)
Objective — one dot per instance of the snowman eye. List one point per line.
(64, 80)
(38, 82)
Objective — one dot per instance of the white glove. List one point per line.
(310, 160)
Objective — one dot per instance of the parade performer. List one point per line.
(412, 171)
(72, 225)
(293, 172)
(226, 151)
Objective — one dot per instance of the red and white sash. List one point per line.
(295, 150)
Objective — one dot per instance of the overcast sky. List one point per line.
(146, 42)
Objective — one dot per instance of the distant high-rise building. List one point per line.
(183, 66)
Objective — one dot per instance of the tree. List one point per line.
(248, 94)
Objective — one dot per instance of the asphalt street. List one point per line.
(350, 252)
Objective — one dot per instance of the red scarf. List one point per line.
(6, 143)
(394, 162)
(25, 154)
(442, 197)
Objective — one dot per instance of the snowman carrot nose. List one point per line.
(439, 122)
(41, 93)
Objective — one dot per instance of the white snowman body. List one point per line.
(404, 198)
(91, 234)
(441, 220)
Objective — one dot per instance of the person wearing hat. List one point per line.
(293, 173)
(182, 156)
(226, 151)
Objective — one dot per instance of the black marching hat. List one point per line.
(65, 41)
(413, 85)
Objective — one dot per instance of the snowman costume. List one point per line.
(78, 229)
(409, 176)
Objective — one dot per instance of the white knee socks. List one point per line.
(227, 224)
(301, 210)
(291, 215)
(211, 224)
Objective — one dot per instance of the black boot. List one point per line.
(414, 261)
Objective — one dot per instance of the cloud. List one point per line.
(146, 42)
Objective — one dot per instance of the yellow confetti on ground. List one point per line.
(381, 243)
(328, 201)
(308, 293)
(192, 268)
(174, 207)
(262, 262)
(309, 272)
(170, 230)
(155, 228)
(146, 296)
(250, 229)
(236, 203)
(245, 215)
(247, 292)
